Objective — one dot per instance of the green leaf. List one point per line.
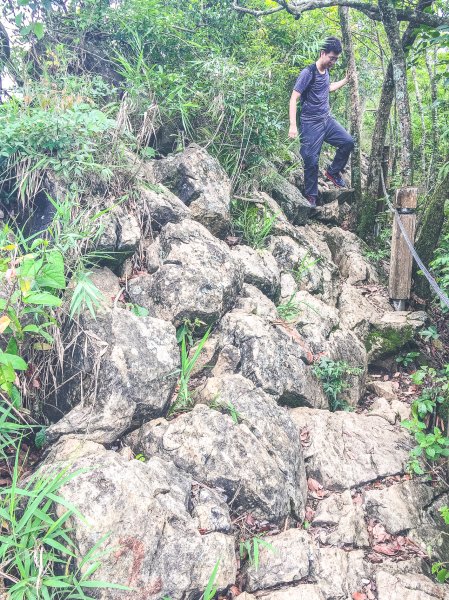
(51, 275)
(14, 361)
(38, 30)
(43, 298)
(140, 311)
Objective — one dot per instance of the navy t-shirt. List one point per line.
(316, 105)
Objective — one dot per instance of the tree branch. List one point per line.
(297, 7)
(256, 13)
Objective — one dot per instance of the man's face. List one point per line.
(328, 60)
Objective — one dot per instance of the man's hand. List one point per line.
(293, 131)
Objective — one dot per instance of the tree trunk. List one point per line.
(5, 54)
(429, 233)
(356, 177)
(386, 100)
(423, 124)
(430, 63)
(399, 67)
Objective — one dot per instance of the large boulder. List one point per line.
(286, 559)
(198, 276)
(259, 269)
(371, 317)
(156, 206)
(151, 542)
(347, 450)
(273, 356)
(119, 371)
(344, 346)
(292, 202)
(269, 422)
(313, 272)
(347, 252)
(411, 506)
(408, 586)
(200, 182)
(340, 522)
(217, 451)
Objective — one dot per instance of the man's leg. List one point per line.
(312, 136)
(336, 135)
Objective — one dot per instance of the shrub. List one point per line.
(254, 223)
(334, 378)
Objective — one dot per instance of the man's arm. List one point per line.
(293, 131)
(338, 84)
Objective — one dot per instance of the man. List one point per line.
(317, 124)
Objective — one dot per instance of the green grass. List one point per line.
(37, 551)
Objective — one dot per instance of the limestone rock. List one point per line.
(198, 277)
(119, 234)
(287, 560)
(156, 206)
(347, 252)
(259, 269)
(398, 507)
(409, 506)
(152, 542)
(383, 389)
(410, 586)
(292, 202)
(393, 331)
(299, 592)
(119, 371)
(373, 320)
(348, 449)
(200, 182)
(343, 521)
(344, 346)
(270, 423)
(273, 357)
(313, 272)
(217, 452)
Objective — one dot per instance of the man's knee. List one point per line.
(349, 143)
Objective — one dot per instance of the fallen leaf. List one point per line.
(235, 591)
(387, 549)
(379, 533)
(249, 519)
(315, 488)
(310, 513)
(358, 596)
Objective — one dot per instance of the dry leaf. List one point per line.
(387, 549)
(4, 322)
(379, 533)
(358, 596)
(310, 513)
(315, 488)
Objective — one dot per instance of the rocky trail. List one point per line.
(259, 455)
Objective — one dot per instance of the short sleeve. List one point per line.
(305, 77)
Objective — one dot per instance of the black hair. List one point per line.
(331, 44)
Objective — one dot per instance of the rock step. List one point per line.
(342, 196)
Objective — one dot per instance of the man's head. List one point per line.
(329, 52)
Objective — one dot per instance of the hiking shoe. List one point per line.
(312, 201)
(336, 179)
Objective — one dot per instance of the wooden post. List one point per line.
(401, 258)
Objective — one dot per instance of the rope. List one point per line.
(433, 284)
